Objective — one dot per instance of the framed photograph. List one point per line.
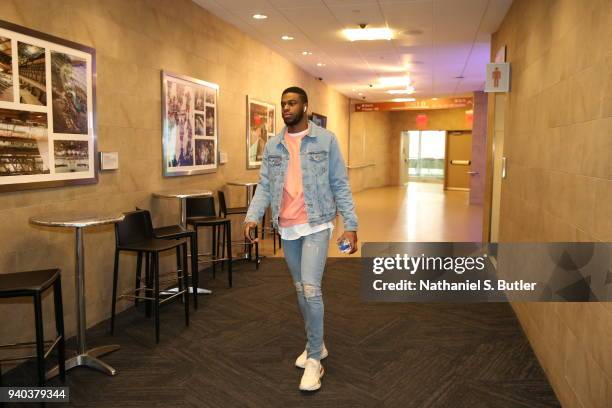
(189, 125)
(319, 120)
(47, 111)
(261, 119)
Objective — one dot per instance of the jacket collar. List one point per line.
(313, 132)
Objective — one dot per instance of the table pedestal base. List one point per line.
(88, 359)
(201, 291)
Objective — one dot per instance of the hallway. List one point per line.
(419, 211)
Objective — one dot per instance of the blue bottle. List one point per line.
(344, 246)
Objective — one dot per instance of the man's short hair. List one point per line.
(297, 90)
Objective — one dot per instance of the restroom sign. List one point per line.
(498, 77)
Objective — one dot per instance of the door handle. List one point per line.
(473, 173)
(503, 167)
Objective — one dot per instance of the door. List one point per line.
(458, 160)
(423, 155)
(499, 164)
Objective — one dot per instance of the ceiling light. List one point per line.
(394, 81)
(354, 90)
(368, 34)
(403, 100)
(434, 99)
(259, 16)
(409, 90)
(360, 93)
(306, 53)
(320, 64)
(287, 38)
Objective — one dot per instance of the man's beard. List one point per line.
(296, 119)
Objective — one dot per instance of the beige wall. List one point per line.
(371, 142)
(559, 184)
(134, 40)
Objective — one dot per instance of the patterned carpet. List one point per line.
(240, 348)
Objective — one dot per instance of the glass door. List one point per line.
(426, 152)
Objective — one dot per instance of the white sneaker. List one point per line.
(311, 380)
(300, 362)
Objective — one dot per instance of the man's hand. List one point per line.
(351, 236)
(248, 226)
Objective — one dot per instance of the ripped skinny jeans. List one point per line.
(306, 257)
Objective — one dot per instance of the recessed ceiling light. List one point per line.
(320, 64)
(287, 38)
(306, 53)
(434, 99)
(394, 81)
(259, 16)
(360, 93)
(409, 90)
(403, 100)
(354, 90)
(368, 34)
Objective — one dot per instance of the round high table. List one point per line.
(183, 195)
(79, 221)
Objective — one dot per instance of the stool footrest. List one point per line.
(51, 343)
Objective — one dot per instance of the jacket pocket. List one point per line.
(318, 162)
(274, 161)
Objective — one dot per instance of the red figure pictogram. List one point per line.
(496, 74)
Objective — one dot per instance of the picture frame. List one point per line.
(261, 125)
(47, 111)
(190, 123)
(318, 119)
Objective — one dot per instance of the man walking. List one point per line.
(303, 178)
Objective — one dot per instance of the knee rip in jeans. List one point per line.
(299, 288)
(311, 291)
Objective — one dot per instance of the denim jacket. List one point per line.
(324, 178)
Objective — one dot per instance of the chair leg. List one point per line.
(214, 250)
(263, 226)
(138, 277)
(222, 241)
(256, 251)
(228, 243)
(114, 298)
(179, 267)
(59, 327)
(40, 340)
(218, 242)
(185, 284)
(156, 294)
(148, 282)
(194, 269)
(274, 241)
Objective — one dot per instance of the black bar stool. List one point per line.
(224, 211)
(201, 213)
(135, 234)
(34, 284)
(271, 228)
(175, 232)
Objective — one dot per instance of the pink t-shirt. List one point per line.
(293, 209)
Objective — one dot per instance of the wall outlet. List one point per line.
(222, 157)
(109, 160)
